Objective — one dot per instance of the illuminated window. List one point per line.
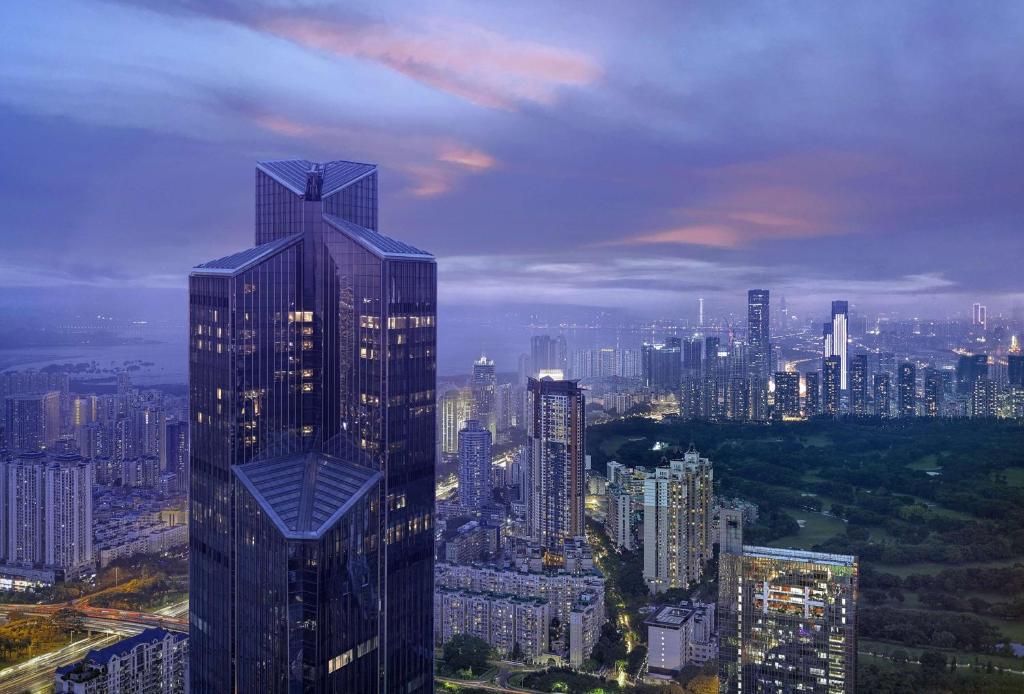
(307, 387)
(307, 373)
(307, 430)
(307, 344)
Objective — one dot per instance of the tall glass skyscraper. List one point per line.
(835, 338)
(312, 365)
(787, 621)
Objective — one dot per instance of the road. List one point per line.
(36, 675)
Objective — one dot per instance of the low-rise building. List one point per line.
(680, 635)
(153, 662)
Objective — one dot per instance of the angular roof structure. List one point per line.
(243, 260)
(378, 244)
(306, 493)
(294, 173)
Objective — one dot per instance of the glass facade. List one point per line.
(323, 340)
(787, 622)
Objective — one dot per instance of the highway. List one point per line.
(36, 675)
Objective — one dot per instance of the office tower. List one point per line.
(788, 622)
(970, 368)
(787, 393)
(883, 395)
(484, 386)
(32, 421)
(175, 456)
(979, 316)
(730, 531)
(677, 522)
(692, 361)
(983, 398)
(906, 390)
(47, 512)
(547, 353)
(662, 365)
(312, 368)
(835, 336)
(152, 661)
(759, 333)
(933, 392)
(830, 386)
(605, 363)
(858, 382)
(474, 466)
(812, 386)
(692, 398)
(713, 379)
(456, 408)
(555, 443)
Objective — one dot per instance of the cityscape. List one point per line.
(611, 441)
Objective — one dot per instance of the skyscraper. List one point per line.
(485, 395)
(983, 399)
(547, 353)
(456, 408)
(677, 522)
(812, 386)
(474, 466)
(788, 621)
(555, 444)
(858, 382)
(835, 338)
(883, 395)
(759, 334)
(830, 386)
(46, 512)
(906, 390)
(979, 316)
(970, 368)
(32, 421)
(662, 365)
(933, 392)
(787, 394)
(312, 369)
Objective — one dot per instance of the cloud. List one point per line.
(469, 158)
(469, 61)
(698, 235)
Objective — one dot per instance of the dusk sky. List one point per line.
(623, 155)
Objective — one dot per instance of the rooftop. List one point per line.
(102, 656)
(799, 555)
(378, 244)
(335, 175)
(238, 262)
(304, 494)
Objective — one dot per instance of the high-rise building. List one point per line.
(1015, 370)
(787, 393)
(969, 369)
(175, 456)
(984, 398)
(883, 395)
(46, 512)
(788, 621)
(759, 333)
(312, 369)
(812, 387)
(831, 386)
(548, 353)
(456, 408)
(555, 442)
(485, 394)
(692, 359)
(933, 392)
(619, 516)
(677, 522)
(906, 390)
(979, 316)
(32, 421)
(836, 334)
(474, 466)
(858, 382)
(662, 365)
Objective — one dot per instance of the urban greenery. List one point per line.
(23, 637)
(465, 656)
(934, 508)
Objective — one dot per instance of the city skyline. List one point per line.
(892, 188)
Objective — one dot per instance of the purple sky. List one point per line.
(608, 154)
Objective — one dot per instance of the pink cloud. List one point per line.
(469, 158)
(473, 63)
(696, 235)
